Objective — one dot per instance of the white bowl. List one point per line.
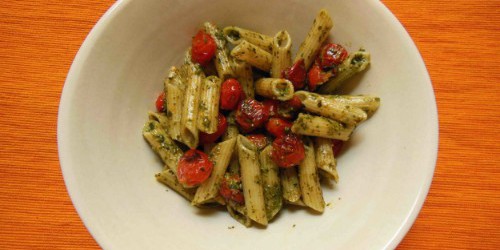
(385, 171)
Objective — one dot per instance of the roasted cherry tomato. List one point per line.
(194, 168)
(251, 114)
(203, 48)
(230, 94)
(260, 140)
(332, 54)
(271, 106)
(231, 188)
(296, 74)
(160, 102)
(288, 151)
(221, 129)
(295, 103)
(337, 146)
(278, 127)
(316, 76)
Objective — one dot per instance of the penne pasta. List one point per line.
(253, 55)
(325, 159)
(329, 107)
(274, 88)
(236, 35)
(220, 155)
(208, 111)
(189, 124)
(355, 63)
(290, 184)
(168, 177)
(174, 99)
(160, 118)
(367, 103)
(251, 180)
(162, 144)
(317, 35)
(322, 127)
(244, 75)
(271, 183)
(222, 61)
(282, 55)
(238, 212)
(312, 195)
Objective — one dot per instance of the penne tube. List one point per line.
(253, 55)
(220, 155)
(208, 111)
(355, 63)
(320, 126)
(310, 187)
(290, 184)
(222, 61)
(271, 183)
(175, 89)
(232, 129)
(169, 178)
(162, 144)
(160, 118)
(325, 159)
(297, 203)
(189, 122)
(367, 103)
(282, 55)
(317, 35)
(238, 212)
(328, 107)
(274, 88)
(244, 75)
(236, 35)
(251, 180)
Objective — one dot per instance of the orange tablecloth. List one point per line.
(459, 41)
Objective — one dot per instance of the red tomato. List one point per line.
(251, 114)
(337, 146)
(160, 102)
(260, 140)
(278, 127)
(332, 55)
(288, 151)
(230, 94)
(316, 76)
(194, 168)
(296, 74)
(203, 48)
(295, 103)
(231, 188)
(271, 106)
(221, 129)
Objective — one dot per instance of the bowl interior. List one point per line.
(385, 170)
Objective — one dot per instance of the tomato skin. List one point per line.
(271, 106)
(231, 188)
(203, 48)
(251, 114)
(295, 103)
(194, 168)
(278, 127)
(221, 129)
(288, 151)
(260, 140)
(332, 54)
(230, 94)
(337, 147)
(316, 76)
(160, 102)
(296, 74)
